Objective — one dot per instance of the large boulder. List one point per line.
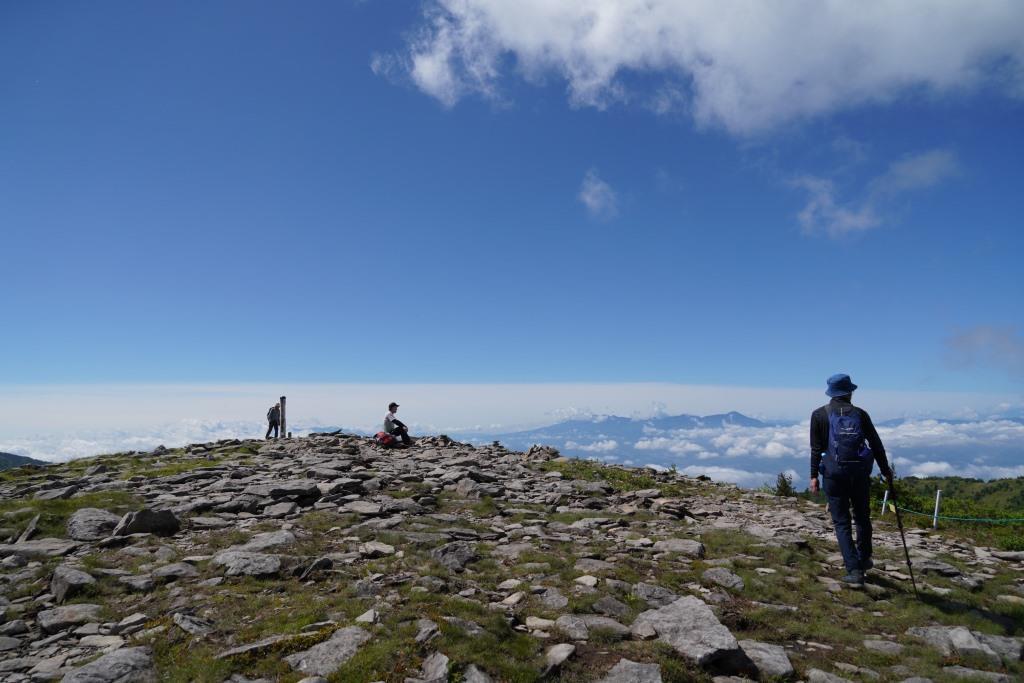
(327, 657)
(146, 521)
(690, 627)
(126, 665)
(67, 582)
(91, 524)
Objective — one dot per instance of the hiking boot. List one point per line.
(854, 577)
(866, 565)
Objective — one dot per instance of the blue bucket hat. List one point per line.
(840, 385)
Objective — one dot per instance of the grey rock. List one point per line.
(363, 507)
(573, 626)
(238, 563)
(266, 540)
(67, 582)
(434, 670)
(60, 618)
(1010, 649)
(428, 630)
(976, 674)
(654, 595)
(327, 657)
(142, 584)
(612, 607)
(126, 665)
(723, 577)
(886, 647)
(62, 493)
(474, 675)
(146, 521)
(91, 524)
(7, 643)
(552, 598)
(280, 509)
(627, 671)
(298, 488)
(173, 572)
(684, 546)
(456, 555)
(192, 624)
(819, 676)
(253, 647)
(590, 565)
(556, 655)
(39, 548)
(771, 660)
(693, 630)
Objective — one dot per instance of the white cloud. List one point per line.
(598, 196)
(742, 66)
(596, 447)
(826, 212)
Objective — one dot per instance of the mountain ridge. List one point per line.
(328, 556)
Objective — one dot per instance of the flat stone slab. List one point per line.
(627, 671)
(40, 547)
(690, 627)
(238, 563)
(125, 665)
(60, 618)
(91, 524)
(327, 657)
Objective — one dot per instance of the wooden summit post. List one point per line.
(284, 425)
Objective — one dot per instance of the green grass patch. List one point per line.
(55, 513)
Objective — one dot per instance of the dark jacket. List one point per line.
(274, 415)
(819, 436)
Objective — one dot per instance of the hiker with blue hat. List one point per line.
(844, 448)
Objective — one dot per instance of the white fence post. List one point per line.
(935, 517)
(885, 499)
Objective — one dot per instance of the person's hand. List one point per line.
(814, 485)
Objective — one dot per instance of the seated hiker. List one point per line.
(273, 420)
(394, 426)
(845, 436)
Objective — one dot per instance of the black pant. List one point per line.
(402, 432)
(845, 490)
(272, 427)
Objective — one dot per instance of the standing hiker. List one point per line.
(845, 436)
(394, 426)
(273, 420)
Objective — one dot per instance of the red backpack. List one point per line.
(384, 439)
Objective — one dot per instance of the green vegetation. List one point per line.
(54, 513)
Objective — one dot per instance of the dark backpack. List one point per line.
(846, 440)
(272, 414)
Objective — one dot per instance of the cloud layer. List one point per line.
(741, 66)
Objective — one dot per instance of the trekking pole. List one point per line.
(899, 523)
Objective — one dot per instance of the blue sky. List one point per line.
(490, 192)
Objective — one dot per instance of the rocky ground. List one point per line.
(328, 558)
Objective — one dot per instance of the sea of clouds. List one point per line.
(751, 456)
(748, 456)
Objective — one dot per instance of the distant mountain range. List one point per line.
(8, 460)
(623, 430)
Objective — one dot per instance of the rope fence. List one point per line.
(936, 516)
